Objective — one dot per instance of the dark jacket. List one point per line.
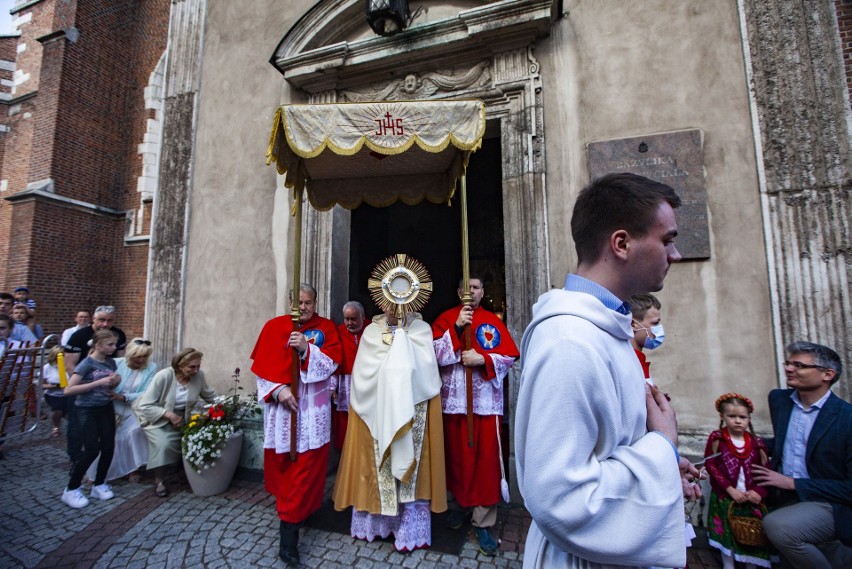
(828, 456)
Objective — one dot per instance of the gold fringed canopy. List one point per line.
(377, 153)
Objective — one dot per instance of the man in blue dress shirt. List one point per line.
(811, 462)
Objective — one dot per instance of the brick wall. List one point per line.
(81, 128)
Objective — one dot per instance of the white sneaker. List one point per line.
(75, 498)
(102, 492)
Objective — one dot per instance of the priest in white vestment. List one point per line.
(392, 465)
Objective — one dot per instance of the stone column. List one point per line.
(170, 226)
(516, 75)
(325, 257)
(802, 124)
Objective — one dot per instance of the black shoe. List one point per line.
(455, 519)
(289, 555)
(289, 540)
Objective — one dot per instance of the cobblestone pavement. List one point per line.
(239, 528)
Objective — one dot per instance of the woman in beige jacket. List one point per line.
(166, 406)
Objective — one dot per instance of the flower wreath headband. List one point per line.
(728, 396)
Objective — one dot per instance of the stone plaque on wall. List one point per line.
(674, 158)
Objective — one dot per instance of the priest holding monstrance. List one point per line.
(392, 466)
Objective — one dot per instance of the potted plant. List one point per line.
(211, 441)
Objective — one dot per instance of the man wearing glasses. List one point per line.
(811, 462)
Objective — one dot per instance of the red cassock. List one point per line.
(473, 474)
(340, 416)
(297, 486)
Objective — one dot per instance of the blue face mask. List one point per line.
(657, 340)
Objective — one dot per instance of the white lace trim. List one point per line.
(487, 395)
(760, 562)
(412, 528)
(314, 417)
(342, 385)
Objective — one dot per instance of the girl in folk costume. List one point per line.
(738, 448)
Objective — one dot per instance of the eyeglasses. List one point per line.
(800, 365)
(142, 342)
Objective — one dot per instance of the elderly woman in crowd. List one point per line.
(166, 406)
(131, 444)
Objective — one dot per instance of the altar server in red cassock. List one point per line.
(350, 336)
(473, 474)
(297, 485)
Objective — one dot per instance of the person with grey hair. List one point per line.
(77, 347)
(341, 382)
(811, 468)
(296, 479)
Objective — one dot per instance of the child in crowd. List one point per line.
(647, 327)
(731, 480)
(53, 394)
(93, 382)
(22, 296)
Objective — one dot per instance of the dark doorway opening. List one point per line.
(431, 233)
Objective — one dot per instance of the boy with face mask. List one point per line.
(647, 328)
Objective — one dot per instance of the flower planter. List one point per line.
(216, 479)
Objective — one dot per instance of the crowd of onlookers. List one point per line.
(18, 310)
(123, 415)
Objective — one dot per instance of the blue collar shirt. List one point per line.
(576, 283)
(793, 463)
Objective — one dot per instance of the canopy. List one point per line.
(378, 153)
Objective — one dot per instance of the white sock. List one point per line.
(727, 561)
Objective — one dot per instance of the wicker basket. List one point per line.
(747, 530)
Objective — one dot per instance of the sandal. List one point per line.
(55, 432)
(161, 491)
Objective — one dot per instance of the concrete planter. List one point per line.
(251, 460)
(216, 479)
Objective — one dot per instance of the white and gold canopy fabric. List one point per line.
(377, 153)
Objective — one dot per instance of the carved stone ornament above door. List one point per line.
(332, 48)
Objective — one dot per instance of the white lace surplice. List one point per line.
(487, 395)
(411, 527)
(313, 426)
(341, 384)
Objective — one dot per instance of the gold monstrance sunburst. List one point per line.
(400, 284)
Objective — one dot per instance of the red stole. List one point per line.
(488, 333)
(350, 343)
(273, 357)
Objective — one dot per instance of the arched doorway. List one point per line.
(432, 234)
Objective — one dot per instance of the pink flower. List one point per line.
(717, 526)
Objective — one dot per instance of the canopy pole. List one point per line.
(295, 313)
(466, 300)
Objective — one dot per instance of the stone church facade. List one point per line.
(181, 138)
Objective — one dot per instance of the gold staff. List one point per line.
(466, 301)
(294, 314)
